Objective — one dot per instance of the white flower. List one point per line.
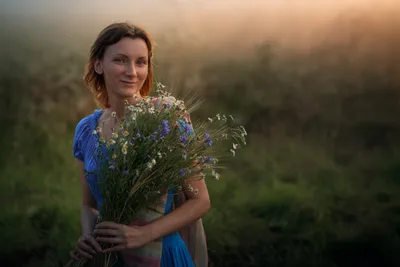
(160, 85)
(243, 130)
(111, 142)
(218, 117)
(233, 152)
(114, 114)
(235, 146)
(159, 155)
(178, 103)
(231, 117)
(211, 120)
(171, 99)
(125, 148)
(215, 174)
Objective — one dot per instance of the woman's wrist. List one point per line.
(150, 232)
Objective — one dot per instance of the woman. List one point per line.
(120, 69)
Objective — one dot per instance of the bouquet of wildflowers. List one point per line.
(157, 147)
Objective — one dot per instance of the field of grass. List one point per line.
(318, 184)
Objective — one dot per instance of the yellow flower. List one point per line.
(115, 135)
(110, 142)
(126, 133)
(125, 149)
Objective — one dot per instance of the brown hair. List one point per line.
(110, 35)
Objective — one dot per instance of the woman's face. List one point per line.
(124, 68)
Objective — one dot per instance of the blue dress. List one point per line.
(174, 250)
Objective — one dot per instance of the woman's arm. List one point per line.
(89, 210)
(193, 209)
(87, 244)
(123, 236)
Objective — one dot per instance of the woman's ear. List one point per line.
(98, 67)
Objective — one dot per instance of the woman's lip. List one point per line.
(129, 82)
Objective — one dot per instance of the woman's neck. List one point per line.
(118, 105)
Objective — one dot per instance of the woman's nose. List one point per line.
(130, 69)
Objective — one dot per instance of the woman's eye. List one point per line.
(119, 60)
(141, 62)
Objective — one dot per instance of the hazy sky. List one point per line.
(290, 21)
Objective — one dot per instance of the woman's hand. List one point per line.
(121, 236)
(86, 247)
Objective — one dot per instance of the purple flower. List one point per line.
(126, 172)
(209, 159)
(208, 141)
(112, 165)
(164, 129)
(182, 172)
(187, 128)
(184, 139)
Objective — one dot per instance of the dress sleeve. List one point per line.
(77, 142)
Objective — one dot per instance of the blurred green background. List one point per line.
(318, 183)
